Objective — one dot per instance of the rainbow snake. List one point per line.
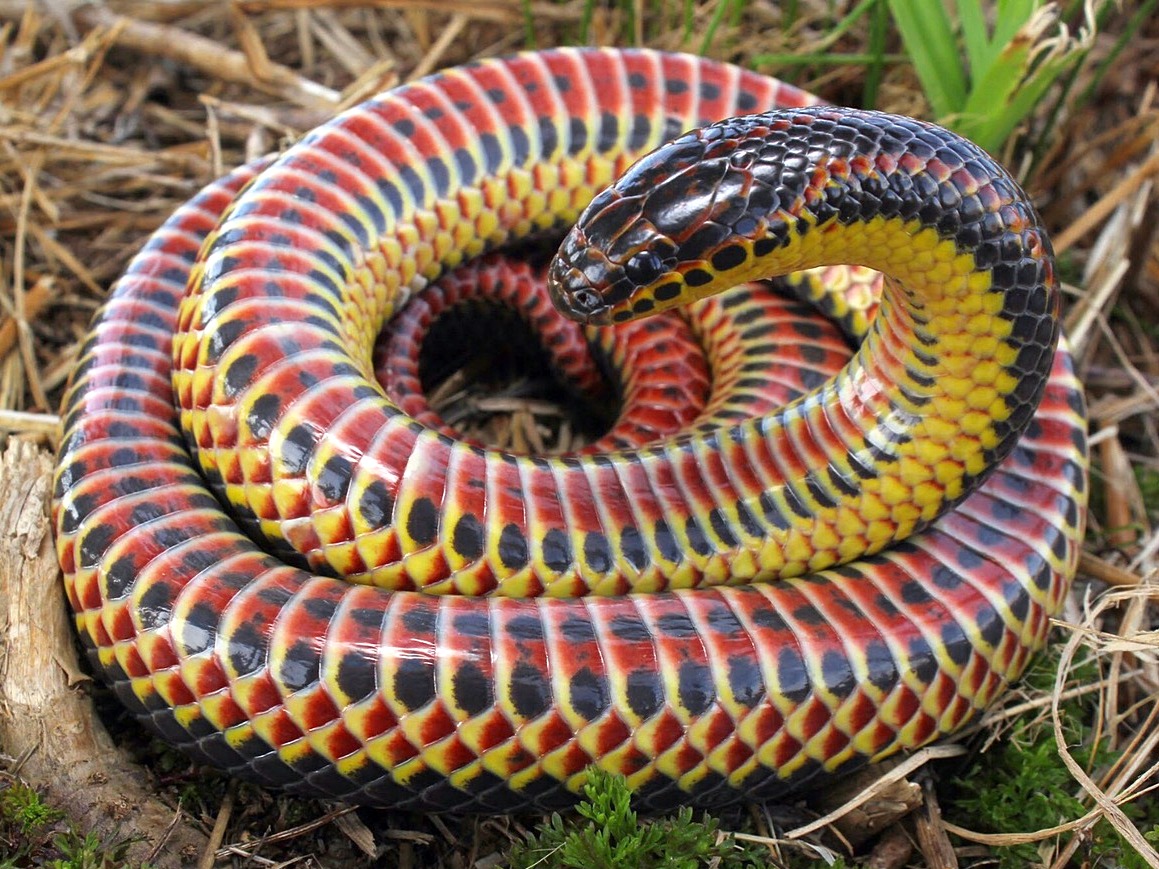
(719, 603)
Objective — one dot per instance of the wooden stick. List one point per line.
(1099, 212)
(207, 55)
(43, 717)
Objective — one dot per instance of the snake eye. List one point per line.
(642, 268)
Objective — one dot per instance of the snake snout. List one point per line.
(571, 290)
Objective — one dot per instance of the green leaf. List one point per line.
(929, 39)
(975, 36)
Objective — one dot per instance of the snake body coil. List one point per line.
(888, 625)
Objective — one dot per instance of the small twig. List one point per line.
(931, 832)
(290, 834)
(224, 812)
(1099, 212)
(914, 761)
(431, 59)
(209, 56)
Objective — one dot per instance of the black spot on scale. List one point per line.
(837, 674)
(422, 523)
(772, 512)
(471, 624)
(729, 257)
(262, 415)
(220, 339)
(245, 646)
(589, 693)
(530, 690)
(414, 182)
(525, 629)
(142, 513)
(747, 521)
(548, 136)
(608, 135)
(955, 643)
(492, 153)
(645, 692)
(677, 626)
(840, 482)
(795, 504)
(769, 619)
(299, 667)
(334, 479)
(709, 90)
(513, 547)
(467, 539)
(666, 542)
(471, 688)
(640, 133)
(765, 246)
(915, 594)
(696, 537)
(792, 676)
(414, 682)
(356, 677)
(118, 579)
(155, 605)
(404, 127)
(465, 163)
(719, 522)
(392, 194)
(94, 544)
(818, 491)
(575, 629)
(375, 505)
(629, 628)
(520, 146)
(745, 681)
(880, 668)
(577, 132)
(667, 292)
(968, 559)
(632, 547)
(695, 687)
(637, 80)
(420, 622)
(440, 175)
(557, 554)
(946, 577)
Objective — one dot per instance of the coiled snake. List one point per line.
(886, 627)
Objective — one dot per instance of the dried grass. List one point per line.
(111, 115)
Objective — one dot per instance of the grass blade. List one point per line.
(929, 39)
(975, 36)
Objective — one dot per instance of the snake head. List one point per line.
(608, 266)
(666, 232)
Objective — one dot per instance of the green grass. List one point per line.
(1021, 786)
(32, 833)
(607, 834)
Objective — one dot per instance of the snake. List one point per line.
(301, 579)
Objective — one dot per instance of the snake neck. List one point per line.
(951, 369)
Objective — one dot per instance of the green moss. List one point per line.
(608, 835)
(1023, 786)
